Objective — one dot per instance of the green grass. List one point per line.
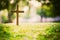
(27, 31)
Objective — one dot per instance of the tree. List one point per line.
(11, 7)
(5, 4)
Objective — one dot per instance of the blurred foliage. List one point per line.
(4, 16)
(4, 4)
(4, 19)
(9, 33)
(43, 31)
(52, 33)
(4, 34)
(52, 8)
(48, 10)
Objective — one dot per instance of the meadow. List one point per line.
(30, 31)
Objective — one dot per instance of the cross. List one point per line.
(17, 11)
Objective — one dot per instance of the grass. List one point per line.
(25, 31)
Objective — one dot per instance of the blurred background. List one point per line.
(34, 11)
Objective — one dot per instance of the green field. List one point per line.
(30, 31)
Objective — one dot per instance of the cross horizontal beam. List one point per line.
(18, 11)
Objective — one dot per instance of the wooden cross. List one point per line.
(17, 11)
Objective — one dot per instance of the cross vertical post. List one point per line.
(17, 11)
(17, 16)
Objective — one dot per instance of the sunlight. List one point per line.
(11, 1)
